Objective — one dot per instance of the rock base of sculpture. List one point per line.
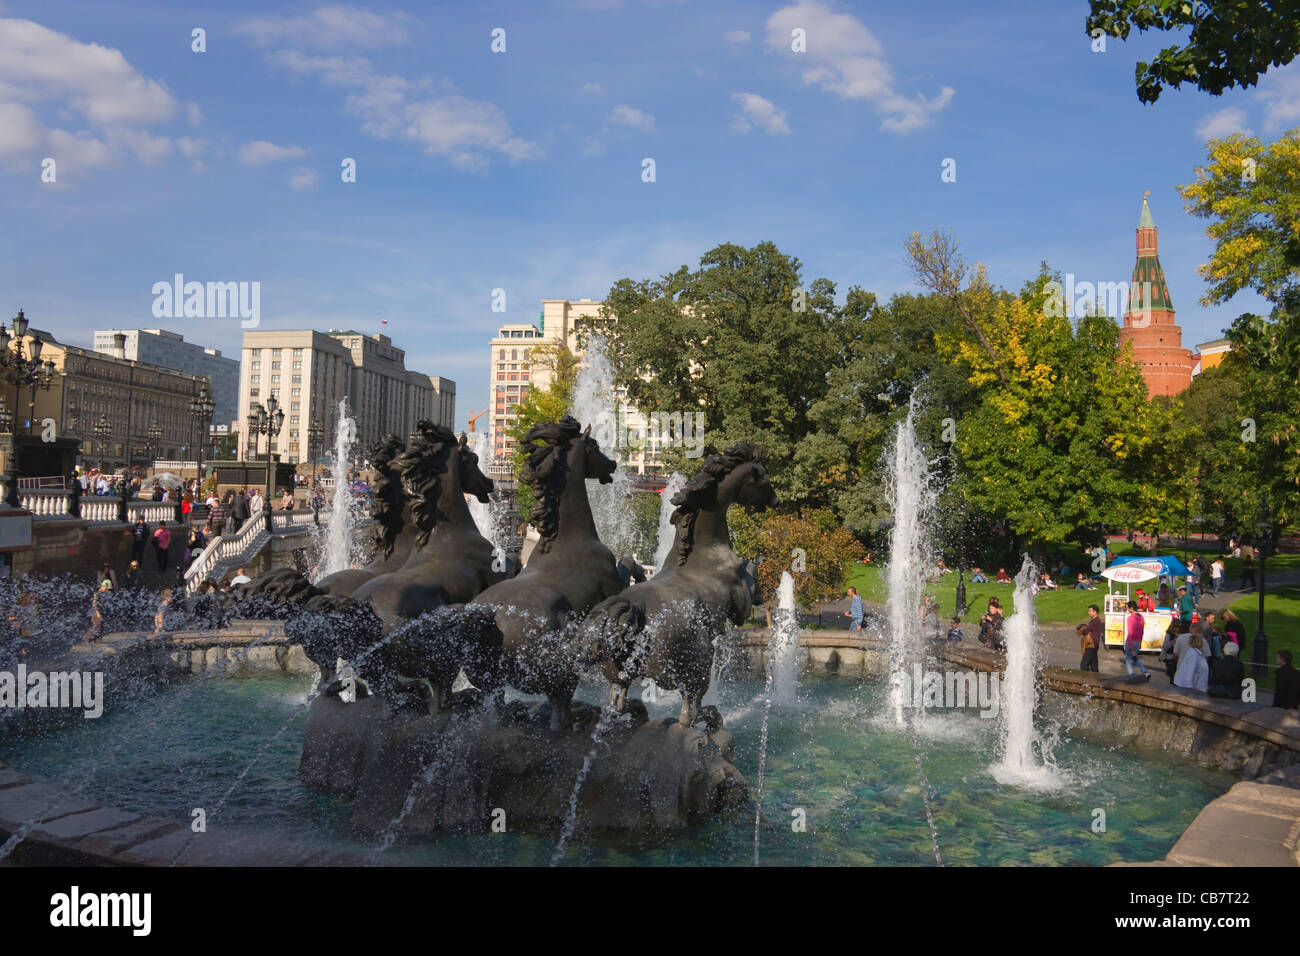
(468, 768)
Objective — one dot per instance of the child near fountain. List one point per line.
(954, 630)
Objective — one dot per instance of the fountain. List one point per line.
(664, 537)
(911, 498)
(595, 402)
(1026, 761)
(783, 648)
(487, 514)
(337, 546)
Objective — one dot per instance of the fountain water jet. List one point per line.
(337, 546)
(911, 498)
(595, 404)
(664, 541)
(1020, 765)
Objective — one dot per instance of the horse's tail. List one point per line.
(611, 631)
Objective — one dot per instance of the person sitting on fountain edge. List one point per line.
(1226, 674)
(954, 630)
(991, 626)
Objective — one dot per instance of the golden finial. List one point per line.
(1145, 195)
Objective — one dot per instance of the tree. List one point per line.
(1070, 440)
(1250, 193)
(1255, 223)
(547, 404)
(742, 339)
(814, 547)
(1231, 42)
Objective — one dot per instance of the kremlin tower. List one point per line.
(1149, 322)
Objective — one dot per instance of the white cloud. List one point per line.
(194, 115)
(1280, 91)
(260, 152)
(445, 123)
(304, 177)
(1222, 123)
(737, 37)
(592, 147)
(190, 148)
(759, 112)
(844, 57)
(626, 115)
(592, 89)
(85, 85)
(329, 28)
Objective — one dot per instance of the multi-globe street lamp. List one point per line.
(103, 431)
(155, 433)
(22, 366)
(201, 407)
(315, 435)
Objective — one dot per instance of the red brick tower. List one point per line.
(1149, 322)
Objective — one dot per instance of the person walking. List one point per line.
(255, 503)
(855, 612)
(1216, 576)
(1247, 573)
(162, 541)
(1194, 583)
(1134, 627)
(139, 538)
(1091, 635)
(1286, 683)
(1233, 630)
(240, 511)
(216, 516)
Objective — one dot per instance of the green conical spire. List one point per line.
(1146, 222)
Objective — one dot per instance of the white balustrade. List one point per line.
(99, 510)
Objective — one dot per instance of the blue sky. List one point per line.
(522, 170)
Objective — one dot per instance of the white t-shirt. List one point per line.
(240, 579)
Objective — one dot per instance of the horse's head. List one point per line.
(423, 468)
(595, 463)
(747, 482)
(472, 480)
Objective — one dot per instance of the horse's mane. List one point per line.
(421, 469)
(390, 497)
(544, 472)
(700, 492)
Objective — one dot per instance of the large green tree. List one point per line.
(1251, 195)
(743, 339)
(1228, 42)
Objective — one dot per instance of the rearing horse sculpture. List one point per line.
(396, 535)
(569, 572)
(664, 628)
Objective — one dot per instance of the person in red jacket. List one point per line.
(1144, 601)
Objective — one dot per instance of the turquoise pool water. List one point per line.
(831, 762)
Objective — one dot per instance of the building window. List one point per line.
(502, 355)
(297, 380)
(295, 392)
(254, 380)
(297, 353)
(501, 376)
(275, 366)
(514, 355)
(297, 366)
(257, 366)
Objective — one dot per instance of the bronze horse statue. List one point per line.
(395, 536)
(536, 614)
(664, 628)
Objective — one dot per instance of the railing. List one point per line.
(50, 482)
(224, 549)
(44, 503)
(151, 511)
(297, 518)
(97, 509)
(175, 465)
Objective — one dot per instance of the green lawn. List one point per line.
(1070, 606)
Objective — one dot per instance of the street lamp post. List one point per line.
(103, 431)
(22, 369)
(1264, 543)
(154, 432)
(315, 435)
(200, 414)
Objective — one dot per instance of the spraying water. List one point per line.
(911, 498)
(337, 554)
(595, 404)
(664, 542)
(1026, 761)
(782, 682)
(486, 515)
(783, 648)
